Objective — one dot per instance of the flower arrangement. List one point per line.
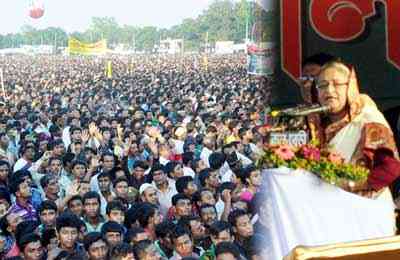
(328, 165)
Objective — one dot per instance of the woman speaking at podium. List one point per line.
(356, 129)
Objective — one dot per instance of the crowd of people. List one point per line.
(155, 157)
(154, 160)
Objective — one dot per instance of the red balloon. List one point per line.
(36, 10)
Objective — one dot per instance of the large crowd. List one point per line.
(152, 160)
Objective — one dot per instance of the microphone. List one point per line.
(301, 111)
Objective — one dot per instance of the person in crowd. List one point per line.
(96, 246)
(122, 251)
(68, 227)
(145, 249)
(183, 244)
(116, 212)
(137, 167)
(31, 247)
(242, 229)
(227, 251)
(92, 215)
(48, 213)
(220, 231)
(113, 233)
(23, 207)
(164, 240)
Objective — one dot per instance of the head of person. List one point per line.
(115, 211)
(208, 214)
(48, 212)
(50, 185)
(78, 169)
(227, 251)
(256, 248)
(96, 246)
(112, 232)
(30, 247)
(251, 176)
(91, 204)
(75, 205)
(337, 88)
(148, 193)
(76, 147)
(187, 158)
(199, 165)
(57, 147)
(9, 223)
(217, 160)
(4, 139)
(209, 178)
(121, 186)
(75, 133)
(118, 172)
(139, 169)
(49, 239)
(149, 216)
(186, 185)
(159, 174)
(241, 224)
(107, 161)
(104, 180)
(258, 206)
(28, 151)
(163, 233)
(84, 187)
(203, 197)
(182, 240)
(182, 205)
(311, 68)
(312, 65)
(174, 170)
(195, 225)
(5, 201)
(55, 165)
(246, 133)
(135, 235)
(4, 171)
(21, 189)
(68, 228)
(220, 231)
(122, 251)
(146, 250)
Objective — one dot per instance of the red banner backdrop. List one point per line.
(338, 21)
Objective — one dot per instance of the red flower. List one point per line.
(284, 152)
(311, 153)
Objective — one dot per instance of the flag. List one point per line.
(109, 70)
(205, 62)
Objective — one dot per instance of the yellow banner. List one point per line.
(77, 47)
(109, 70)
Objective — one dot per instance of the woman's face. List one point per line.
(332, 88)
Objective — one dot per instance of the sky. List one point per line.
(75, 15)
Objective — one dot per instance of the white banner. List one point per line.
(303, 210)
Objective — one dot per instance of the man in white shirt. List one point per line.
(165, 188)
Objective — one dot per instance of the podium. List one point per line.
(375, 249)
(302, 210)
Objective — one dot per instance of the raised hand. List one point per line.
(85, 136)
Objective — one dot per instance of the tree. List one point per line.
(223, 20)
